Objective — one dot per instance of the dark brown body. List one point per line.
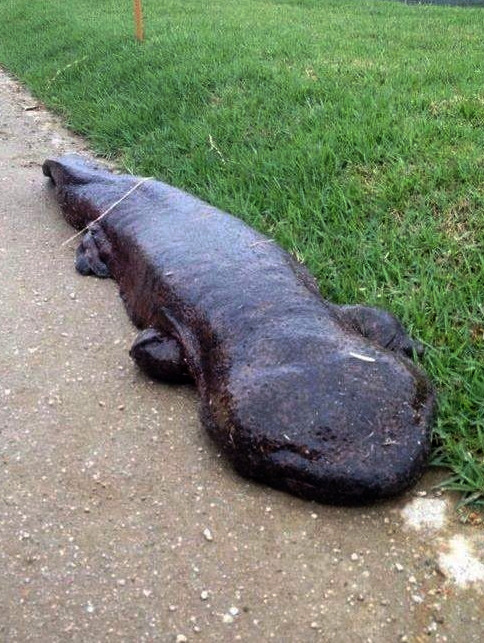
(309, 397)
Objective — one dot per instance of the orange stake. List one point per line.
(138, 18)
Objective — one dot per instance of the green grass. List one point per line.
(350, 131)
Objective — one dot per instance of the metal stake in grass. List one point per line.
(138, 19)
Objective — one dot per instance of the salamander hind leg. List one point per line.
(381, 327)
(88, 261)
(160, 356)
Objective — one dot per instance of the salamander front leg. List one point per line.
(381, 327)
(160, 356)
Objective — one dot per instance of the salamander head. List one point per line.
(349, 429)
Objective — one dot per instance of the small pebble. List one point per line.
(207, 534)
(399, 567)
(354, 556)
(181, 638)
(204, 595)
(233, 611)
(228, 618)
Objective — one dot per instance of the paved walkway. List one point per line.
(118, 519)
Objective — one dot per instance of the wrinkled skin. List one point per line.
(313, 398)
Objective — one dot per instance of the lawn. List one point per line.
(351, 131)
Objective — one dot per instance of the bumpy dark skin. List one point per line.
(306, 396)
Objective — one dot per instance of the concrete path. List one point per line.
(118, 519)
